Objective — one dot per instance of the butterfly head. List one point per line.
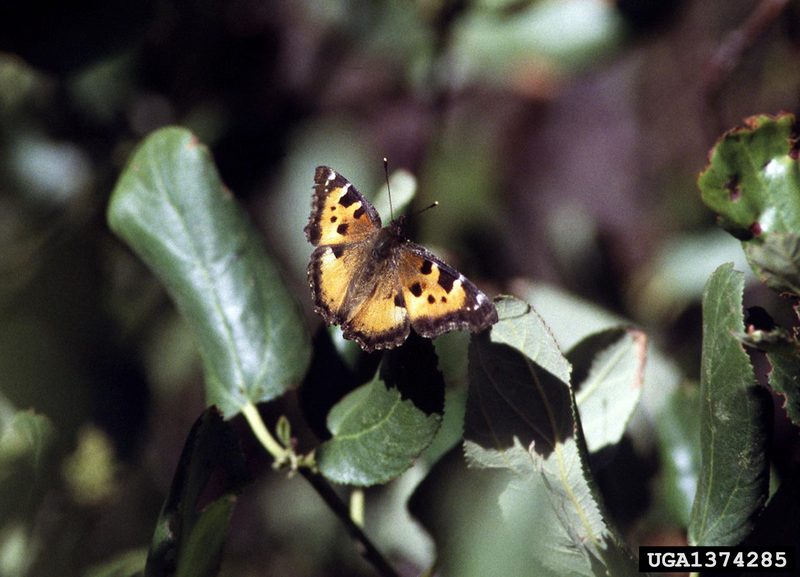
(399, 224)
(389, 238)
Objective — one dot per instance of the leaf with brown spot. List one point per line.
(752, 182)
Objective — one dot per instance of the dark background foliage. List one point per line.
(562, 140)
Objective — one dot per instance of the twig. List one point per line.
(284, 455)
(730, 52)
(367, 549)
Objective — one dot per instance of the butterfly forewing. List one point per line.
(339, 213)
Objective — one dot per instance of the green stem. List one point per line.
(357, 507)
(261, 432)
(323, 488)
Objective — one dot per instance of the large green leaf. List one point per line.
(735, 416)
(608, 375)
(171, 208)
(522, 418)
(753, 183)
(194, 519)
(381, 427)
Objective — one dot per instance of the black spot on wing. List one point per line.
(342, 228)
(426, 268)
(415, 289)
(348, 198)
(333, 219)
(446, 280)
(359, 212)
(431, 298)
(337, 250)
(399, 301)
(475, 317)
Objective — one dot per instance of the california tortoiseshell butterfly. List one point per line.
(376, 283)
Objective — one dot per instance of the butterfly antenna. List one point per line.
(388, 188)
(433, 205)
(389, 191)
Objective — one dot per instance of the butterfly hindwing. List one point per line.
(362, 296)
(380, 320)
(339, 213)
(438, 297)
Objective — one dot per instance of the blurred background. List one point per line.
(562, 139)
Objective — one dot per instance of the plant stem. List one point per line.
(323, 488)
(368, 550)
(261, 432)
(357, 507)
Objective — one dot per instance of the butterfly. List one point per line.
(376, 283)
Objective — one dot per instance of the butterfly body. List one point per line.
(376, 283)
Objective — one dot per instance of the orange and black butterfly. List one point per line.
(376, 283)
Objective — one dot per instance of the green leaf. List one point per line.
(608, 372)
(27, 472)
(125, 564)
(201, 553)
(678, 430)
(735, 416)
(26, 446)
(459, 508)
(675, 278)
(521, 417)
(522, 328)
(784, 378)
(783, 353)
(775, 258)
(194, 520)
(571, 319)
(171, 208)
(753, 183)
(751, 178)
(381, 427)
(568, 317)
(493, 45)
